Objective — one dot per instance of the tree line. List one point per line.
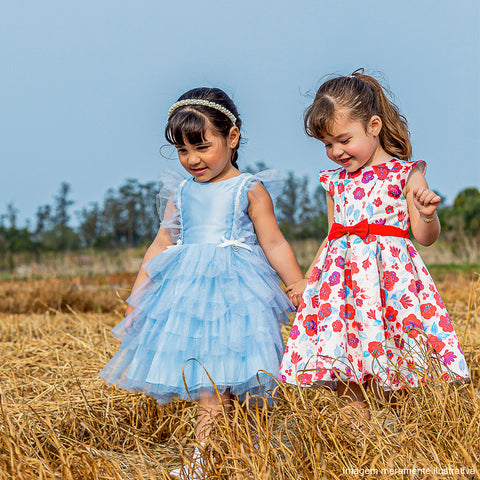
(128, 217)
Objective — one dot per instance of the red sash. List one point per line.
(363, 228)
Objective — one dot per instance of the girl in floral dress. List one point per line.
(370, 312)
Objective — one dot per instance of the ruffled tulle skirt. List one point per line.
(207, 318)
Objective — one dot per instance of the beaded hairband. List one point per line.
(205, 103)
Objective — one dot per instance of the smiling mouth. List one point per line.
(343, 161)
(199, 171)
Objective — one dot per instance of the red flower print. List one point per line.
(381, 171)
(413, 286)
(377, 202)
(353, 340)
(395, 252)
(445, 323)
(412, 325)
(436, 343)
(328, 262)
(419, 285)
(358, 193)
(348, 278)
(323, 178)
(340, 262)
(355, 174)
(315, 275)
(369, 238)
(428, 310)
(357, 326)
(295, 358)
(305, 378)
(331, 189)
(360, 365)
(406, 301)
(325, 291)
(409, 267)
(347, 312)
(367, 177)
(334, 278)
(294, 332)
(389, 280)
(310, 325)
(424, 270)
(341, 188)
(401, 215)
(366, 263)
(337, 326)
(375, 349)
(449, 357)
(397, 166)
(394, 191)
(354, 267)
(324, 311)
(389, 354)
(391, 314)
(438, 300)
(388, 209)
(315, 301)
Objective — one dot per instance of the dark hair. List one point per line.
(188, 123)
(362, 97)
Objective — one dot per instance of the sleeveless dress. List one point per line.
(210, 308)
(371, 308)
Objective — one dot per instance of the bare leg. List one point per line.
(211, 405)
(353, 398)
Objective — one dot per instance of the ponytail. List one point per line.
(394, 135)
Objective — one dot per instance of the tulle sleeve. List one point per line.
(167, 203)
(272, 180)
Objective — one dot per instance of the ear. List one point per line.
(374, 126)
(233, 137)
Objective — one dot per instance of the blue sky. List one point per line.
(85, 86)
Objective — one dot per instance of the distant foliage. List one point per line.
(127, 217)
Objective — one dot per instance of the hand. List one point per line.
(295, 291)
(426, 201)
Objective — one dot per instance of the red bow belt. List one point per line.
(363, 228)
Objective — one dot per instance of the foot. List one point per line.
(192, 471)
(188, 472)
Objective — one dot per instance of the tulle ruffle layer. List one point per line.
(224, 321)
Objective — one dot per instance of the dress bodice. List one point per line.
(216, 211)
(373, 193)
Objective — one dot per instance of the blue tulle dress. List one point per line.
(211, 303)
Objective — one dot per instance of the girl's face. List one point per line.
(353, 146)
(210, 160)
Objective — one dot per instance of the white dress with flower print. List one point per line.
(371, 309)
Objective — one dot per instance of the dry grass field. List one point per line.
(59, 421)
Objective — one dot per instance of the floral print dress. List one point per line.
(371, 309)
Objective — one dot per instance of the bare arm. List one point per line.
(277, 250)
(159, 244)
(422, 205)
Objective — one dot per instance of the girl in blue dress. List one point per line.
(207, 302)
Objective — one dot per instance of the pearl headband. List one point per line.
(205, 103)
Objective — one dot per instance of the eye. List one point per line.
(328, 145)
(202, 147)
(343, 142)
(181, 151)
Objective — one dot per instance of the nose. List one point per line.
(337, 150)
(193, 159)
